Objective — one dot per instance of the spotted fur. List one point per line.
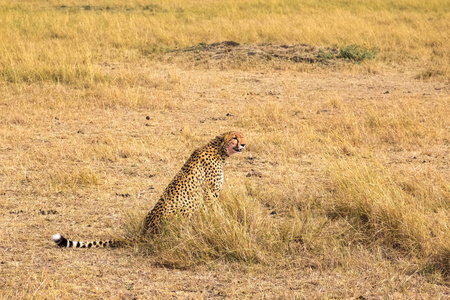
(198, 183)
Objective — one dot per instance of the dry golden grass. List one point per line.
(342, 192)
(83, 38)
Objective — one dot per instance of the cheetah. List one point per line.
(197, 184)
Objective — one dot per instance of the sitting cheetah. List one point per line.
(197, 183)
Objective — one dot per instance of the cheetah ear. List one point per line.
(228, 136)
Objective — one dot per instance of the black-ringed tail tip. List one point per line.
(66, 243)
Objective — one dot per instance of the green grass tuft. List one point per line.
(356, 53)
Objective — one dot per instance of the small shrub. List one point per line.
(72, 179)
(356, 53)
(325, 55)
(429, 73)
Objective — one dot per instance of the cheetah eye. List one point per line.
(235, 138)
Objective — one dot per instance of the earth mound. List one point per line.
(233, 51)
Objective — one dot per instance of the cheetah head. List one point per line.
(233, 142)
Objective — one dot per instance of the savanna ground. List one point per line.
(343, 189)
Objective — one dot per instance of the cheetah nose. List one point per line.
(243, 145)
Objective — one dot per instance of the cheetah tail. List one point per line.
(63, 242)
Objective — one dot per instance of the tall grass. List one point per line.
(383, 209)
(239, 229)
(372, 206)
